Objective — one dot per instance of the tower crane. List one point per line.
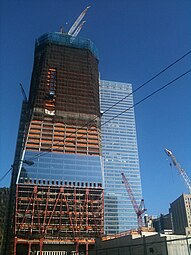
(181, 171)
(23, 93)
(76, 27)
(139, 210)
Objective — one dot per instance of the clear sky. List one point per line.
(136, 39)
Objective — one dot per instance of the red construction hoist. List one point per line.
(139, 210)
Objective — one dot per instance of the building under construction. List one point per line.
(57, 175)
(4, 197)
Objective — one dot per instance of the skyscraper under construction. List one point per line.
(59, 195)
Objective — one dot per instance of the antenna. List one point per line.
(75, 28)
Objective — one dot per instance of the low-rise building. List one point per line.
(181, 214)
(163, 224)
(146, 243)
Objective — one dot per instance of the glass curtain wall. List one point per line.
(120, 154)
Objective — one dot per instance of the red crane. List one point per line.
(139, 210)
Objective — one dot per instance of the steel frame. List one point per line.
(57, 214)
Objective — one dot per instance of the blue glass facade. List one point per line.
(62, 169)
(120, 154)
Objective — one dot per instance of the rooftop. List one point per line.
(68, 40)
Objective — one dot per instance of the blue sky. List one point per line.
(136, 39)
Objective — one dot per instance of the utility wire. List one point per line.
(139, 102)
(134, 91)
(5, 174)
(108, 109)
(145, 83)
(150, 95)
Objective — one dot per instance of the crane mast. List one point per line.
(139, 210)
(181, 171)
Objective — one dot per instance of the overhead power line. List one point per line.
(139, 102)
(2, 178)
(134, 91)
(145, 83)
(148, 96)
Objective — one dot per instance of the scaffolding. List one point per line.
(57, 215)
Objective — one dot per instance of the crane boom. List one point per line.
(139, 210)
(23, 93)
(78, 29)
(181, 171)
(130, 192)
(77, 22)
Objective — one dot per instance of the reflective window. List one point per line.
(120, 154)
(62, 167)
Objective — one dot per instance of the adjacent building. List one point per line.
(163, 224)
(149, 243)
(120, 155)
(58, 173)
(181, 214)
(4, 198)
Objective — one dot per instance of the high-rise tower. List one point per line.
(59, 197)
(120, 155)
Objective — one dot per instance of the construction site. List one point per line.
(56, 204)
(57, 178)
(51, 215)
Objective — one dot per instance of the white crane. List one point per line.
(180, 169)
(76, 27)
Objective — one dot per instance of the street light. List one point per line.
(28, 162)
(24, 161)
